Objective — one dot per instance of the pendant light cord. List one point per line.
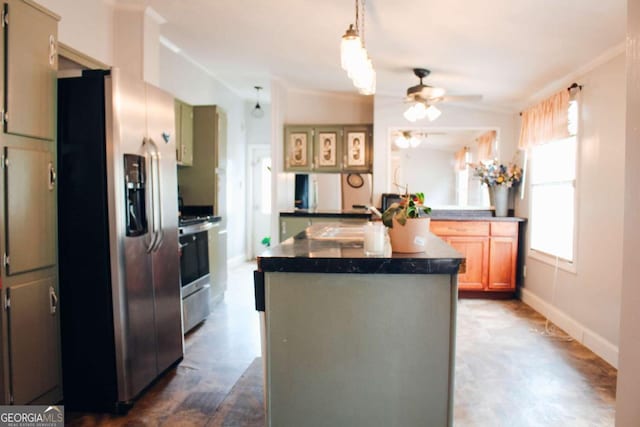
(357, 17)
(363, 44)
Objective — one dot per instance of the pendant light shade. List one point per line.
(354, 58)
(257, 111)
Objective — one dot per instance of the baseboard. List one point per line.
(579, 332)
(236, 261)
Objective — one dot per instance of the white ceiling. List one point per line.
(506, 50)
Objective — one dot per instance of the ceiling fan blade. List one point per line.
(429, 92)
(460, 98)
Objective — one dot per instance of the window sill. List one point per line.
(553, 261)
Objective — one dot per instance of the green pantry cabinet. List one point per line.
(31, 372)
(184, 133)
(320, 148)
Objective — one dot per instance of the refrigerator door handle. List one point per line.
(157, 191)
(152, 197)
(158, 184)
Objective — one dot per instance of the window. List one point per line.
(553, 184)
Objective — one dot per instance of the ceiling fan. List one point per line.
(423, 97)
(411, 138)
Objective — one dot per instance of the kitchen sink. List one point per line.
(343, 233)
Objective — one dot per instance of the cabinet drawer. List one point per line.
(459, 228)
(504, 228)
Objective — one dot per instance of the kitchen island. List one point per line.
(351, 340)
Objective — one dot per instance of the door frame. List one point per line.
(253, 151)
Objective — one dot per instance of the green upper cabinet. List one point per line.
(184, 133)
(358, 153)
(298, 148)
(328, 149)
(320, 148)
(31, 60)
(30, 195)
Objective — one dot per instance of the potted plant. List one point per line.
(408, 222)
(499, 178)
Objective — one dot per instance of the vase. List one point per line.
(501, 199)
(410, 237)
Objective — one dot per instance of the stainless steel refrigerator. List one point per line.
(118, 239)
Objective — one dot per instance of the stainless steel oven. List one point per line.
(194, 273)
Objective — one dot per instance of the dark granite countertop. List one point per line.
(436, 215)
(302, 254)
(353, 213)
(478, 218)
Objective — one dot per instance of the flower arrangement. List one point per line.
(495, 173)
(411, 206)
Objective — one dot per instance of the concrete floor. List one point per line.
(509, 372)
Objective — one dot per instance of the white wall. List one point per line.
(428, 171)
(86, 26)
(387, 114)
(627, 408)
(307, 107)
(587, 303)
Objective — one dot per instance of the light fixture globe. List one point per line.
(258, 111)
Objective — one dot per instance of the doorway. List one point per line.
(260, 199)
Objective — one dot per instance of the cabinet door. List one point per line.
(178, 123)
(298, 149)
(357, 152)
(328, 143)
(30, 207)
(186, 134)
(290, 226)
(34, 340)
(31, 63)
(476, 253)
(502, 264)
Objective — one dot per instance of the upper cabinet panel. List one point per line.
(358, 155)
(31, 62)
(320, 148)
(328, 149)
(298, 148)
(30, 203)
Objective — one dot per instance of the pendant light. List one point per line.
(257, 111)
(354, 58)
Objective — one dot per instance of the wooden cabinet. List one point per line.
(31, 62)
(30, 341)
(475, 249)
(184, 133)
(490, 249)
(334, 149)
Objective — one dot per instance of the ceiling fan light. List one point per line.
(414, 141)
(432, 113)
(410, 114)
(401, 141)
